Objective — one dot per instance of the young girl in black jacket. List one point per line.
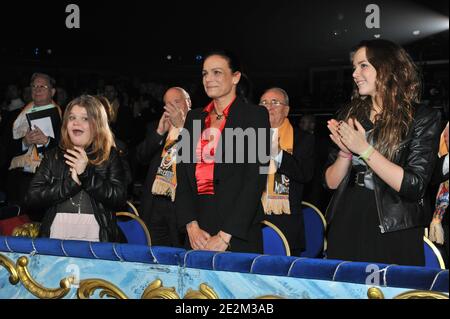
(386, 152)
(81, 183)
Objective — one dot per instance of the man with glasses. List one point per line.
(28, 144)
(292, 166)
(42, 92)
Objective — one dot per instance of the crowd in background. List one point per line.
(132, 113)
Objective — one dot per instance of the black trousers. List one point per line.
(162, 223)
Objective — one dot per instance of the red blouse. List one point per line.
(206, 150)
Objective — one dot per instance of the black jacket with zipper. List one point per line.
(105, 184)
(416, 155)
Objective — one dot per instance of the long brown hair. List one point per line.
(101, 135)
(398, 87)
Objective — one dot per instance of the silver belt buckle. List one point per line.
(359, 179)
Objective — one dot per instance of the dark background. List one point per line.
(302, 46)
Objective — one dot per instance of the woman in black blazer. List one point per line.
(221, 177)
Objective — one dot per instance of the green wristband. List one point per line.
(366, 154)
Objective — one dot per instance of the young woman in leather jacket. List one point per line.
(386, 146)
(81, 183)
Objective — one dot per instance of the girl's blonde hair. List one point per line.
(102, 139)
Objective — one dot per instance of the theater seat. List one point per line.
(315, 227)
(133, 228)
(433, 257)
(274, 241)
(131, 208)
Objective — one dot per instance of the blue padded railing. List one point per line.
(307, 268)
(84, 249)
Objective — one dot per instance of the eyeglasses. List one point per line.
(36, 87)
(271, 102)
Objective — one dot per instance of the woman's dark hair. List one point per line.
(233, 61)
(244, 88)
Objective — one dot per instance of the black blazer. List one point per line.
(149, 153)
(299, 168)
(238, 186)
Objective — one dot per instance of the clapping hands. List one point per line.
(77, 160)
(349, 136)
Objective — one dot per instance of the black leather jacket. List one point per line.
(416, 155)
(105, 184)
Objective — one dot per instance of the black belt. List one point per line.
(357, 176)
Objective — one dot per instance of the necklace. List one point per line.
(218, 116)
(79, 202)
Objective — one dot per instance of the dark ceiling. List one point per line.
(270, 36)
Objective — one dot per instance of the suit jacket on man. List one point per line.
(149, 153)
(299, 168)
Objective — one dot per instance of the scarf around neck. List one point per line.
(275, 198)
(165, 182)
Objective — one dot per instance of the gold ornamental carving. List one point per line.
(30, 230)
(270, 297)
(376, 293)
(37, 289)
(89, 286)
(421, 294)
(8, 264)
(156, 290)
(204, 292)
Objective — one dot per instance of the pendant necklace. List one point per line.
(79, 202)
(218, 116)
